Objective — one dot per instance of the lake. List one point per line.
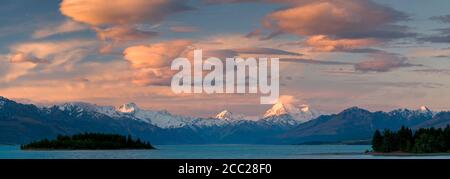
(213, 152)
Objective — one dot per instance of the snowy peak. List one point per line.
(162, 119)
(228, 116)
(420, 110)
(3, 101)
(77, 106)
(281, 109)
(424, 109)
(225, 115)
(277, 109)
(419, 114)
(128, 108)
(304, 108)
(80, 107)
(3, 98)
(300, 113)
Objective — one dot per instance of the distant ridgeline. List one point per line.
(88, 141)
(424, 140)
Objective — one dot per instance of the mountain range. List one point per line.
(281, 124)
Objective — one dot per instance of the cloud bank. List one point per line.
(152, 62)
(115, 20)
(383, 63)
(118, 12)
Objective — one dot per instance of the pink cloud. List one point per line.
(65, 27)
(43, 56)
(11, 71)
(332, 25)
(151, 62)
(115, 20)
(152, 76)
(107, 12)
(21, 57)
(122, 33)
(323, 43)
(383, 63)
(332, 17)
(156, 55)
(118, 34)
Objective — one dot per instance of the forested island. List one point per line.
(425, 140)
(88, 141)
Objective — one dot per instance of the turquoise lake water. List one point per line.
(213, 152)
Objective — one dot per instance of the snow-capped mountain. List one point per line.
(280, 114)
(298, 113)
(426, 110)
(228, 116)
(162, 119)
(22, 123)
(420, 113)
(128, 108)
(78, 108)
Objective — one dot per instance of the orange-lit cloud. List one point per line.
(45, 49)
(152, 62)
(118, 12)
(21, 57)
(66, 27)
(332, 25)
(153, 76)
(259, 1)
(383, 63)
(332, 17)
(156, 55)
(10, 72)
(115, 20)
(122, 33)
(47, 55)
(287, 99)
(118, 34)
(322, 43)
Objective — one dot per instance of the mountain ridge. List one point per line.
(20, 123)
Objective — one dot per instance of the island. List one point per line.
(405, 141)
(89, 141)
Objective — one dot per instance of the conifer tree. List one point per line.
(377, 142)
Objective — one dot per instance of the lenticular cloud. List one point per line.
(107, 12)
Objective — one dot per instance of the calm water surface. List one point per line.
(212, 152)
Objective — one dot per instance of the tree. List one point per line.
(129, 139)
(446, 138)
(390, 141)
(425, 143)
(426, 140)
(377, 142)
(89, 141)
(404, 139)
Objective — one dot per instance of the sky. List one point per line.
(334, 54)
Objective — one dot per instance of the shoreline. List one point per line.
(64, 150)
(406, 154)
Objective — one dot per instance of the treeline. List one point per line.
(88, 141)
(429, 140)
